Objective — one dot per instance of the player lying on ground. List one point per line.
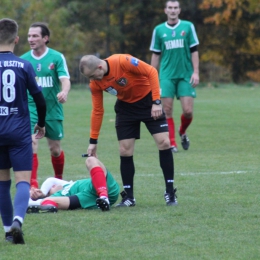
(99, 191)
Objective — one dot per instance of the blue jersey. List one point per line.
(16, 77)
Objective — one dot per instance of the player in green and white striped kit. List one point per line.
(53, 76)
(174, 46)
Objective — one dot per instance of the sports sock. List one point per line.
(99, 181)
(185, 122)
(127, 169)
(18, 221)
(167, 165)
(171, 128)
(35, 164)
(21, 199)
(58, 165)
(6, 206)
(49, 202)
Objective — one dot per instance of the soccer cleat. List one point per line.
(9, 237)
(185, 142)
(17, 233)
(126, 202)
(103, 203)
(171, 198)
(174, 149)
(41, 209)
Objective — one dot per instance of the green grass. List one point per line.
(218, 215)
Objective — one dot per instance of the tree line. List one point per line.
(228, 30)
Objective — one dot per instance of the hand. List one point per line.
(195, 79)
(36, 194)
(62, 97)
(92, 150)
(40, 132)
(156, 111)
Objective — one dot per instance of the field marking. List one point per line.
(206, 173)
(198, 173)
(79, 177)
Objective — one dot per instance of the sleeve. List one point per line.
(41, 108)
(48, 183)
(193, 38)
(142, 69)
(155, 42)
(62, 68)
(97, 112)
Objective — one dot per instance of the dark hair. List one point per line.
(44, 28)
(166, 2)
(8, 30)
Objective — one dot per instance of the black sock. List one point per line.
(167, 165)
(127, 169)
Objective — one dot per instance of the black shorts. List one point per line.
(130, 115)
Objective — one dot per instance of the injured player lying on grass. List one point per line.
(99, 191)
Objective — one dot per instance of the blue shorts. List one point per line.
(18, 157)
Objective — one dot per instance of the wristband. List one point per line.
(93, 141)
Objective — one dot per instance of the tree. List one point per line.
(235, 43)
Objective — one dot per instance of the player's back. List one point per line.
(16, 76)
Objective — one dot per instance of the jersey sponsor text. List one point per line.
(174, 44)
(11, 63)
(4, 111)
(45, 82)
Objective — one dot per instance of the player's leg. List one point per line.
(186, 94)
(168, 89)
(98, 174)
(62, 202)
(21, 158)
(57, 157)
(127, 169)
(127, 129)
(6, 206)
(161, 137)
(54, 134)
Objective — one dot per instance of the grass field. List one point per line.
(218, 216)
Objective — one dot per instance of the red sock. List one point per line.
(171, 128)
(49, 202)
(185, 122)
(99, 181)
(35, 164)
(58, 165)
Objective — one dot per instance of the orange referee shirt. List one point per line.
(129, 79)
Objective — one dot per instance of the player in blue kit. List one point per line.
(16, 77)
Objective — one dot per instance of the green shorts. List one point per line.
(86, 192)
(53, 129)
(177, 87)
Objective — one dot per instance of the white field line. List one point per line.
(79, 177)
(197, 173)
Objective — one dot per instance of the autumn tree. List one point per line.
(235, 41)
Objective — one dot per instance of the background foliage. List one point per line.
(228, 30)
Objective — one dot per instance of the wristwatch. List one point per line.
(157, 102)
